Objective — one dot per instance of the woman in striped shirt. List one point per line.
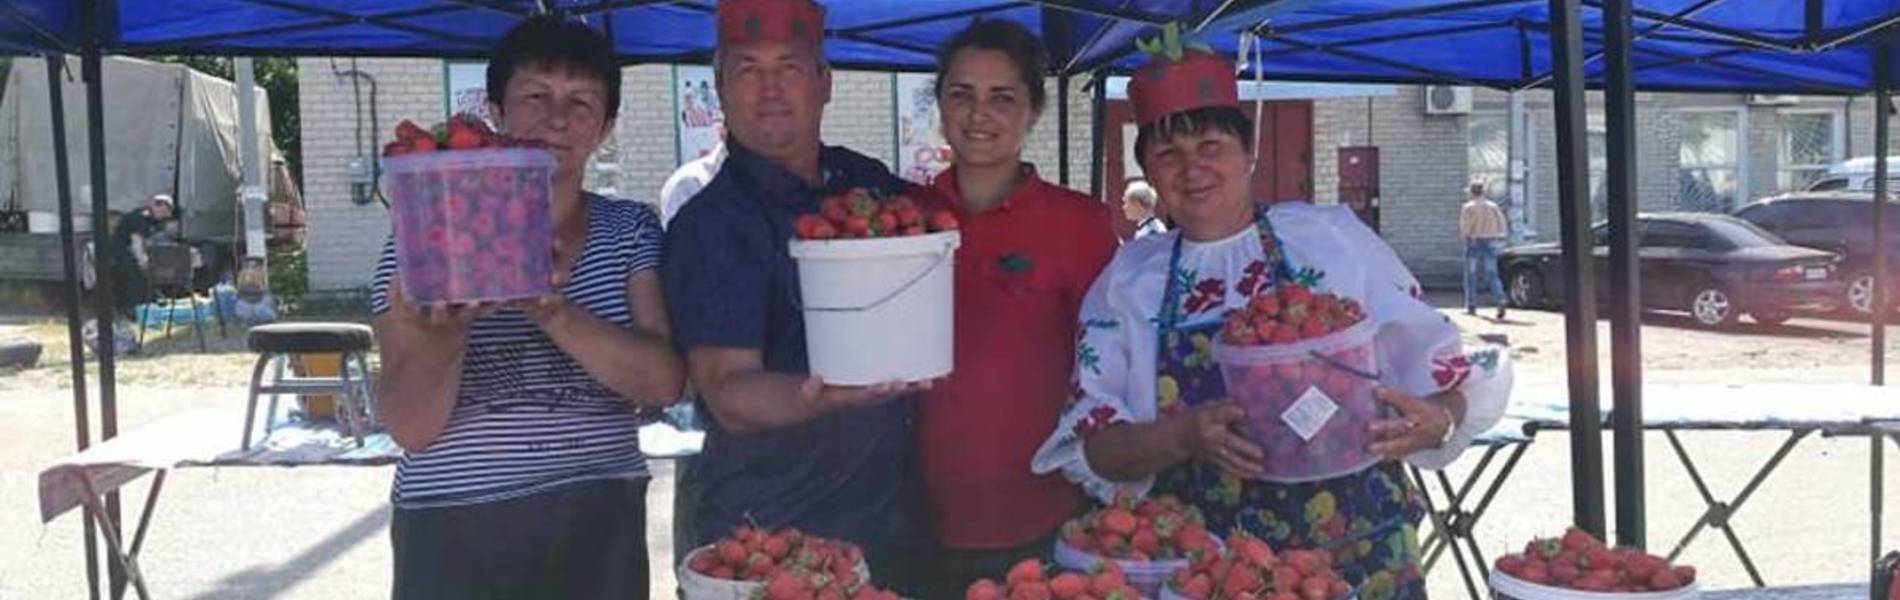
(523, 476)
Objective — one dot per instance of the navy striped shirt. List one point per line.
(527, 417)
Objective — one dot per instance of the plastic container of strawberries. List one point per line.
(472, 225)
(1145, 576)
(1309, 404)
(1167, 593)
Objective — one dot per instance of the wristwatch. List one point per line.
(1451, 426)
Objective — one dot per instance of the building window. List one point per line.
(1488, 148)
(1711, 151)
(1811, 140)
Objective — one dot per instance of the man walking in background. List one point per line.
(1484, 228)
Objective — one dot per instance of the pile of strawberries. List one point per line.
(790, 564)
(1138, 529)
(1579, 561)
(1250, 570)
(461, 132)
(859, 214)
(1029, 580)
(1289, 313)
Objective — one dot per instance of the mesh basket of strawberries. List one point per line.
(786, 564)
(470, 211)
(1302, 365)
(1249, 569)
(1145, 538)
(1031, 580)
(1578, 566)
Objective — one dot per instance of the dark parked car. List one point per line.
(1713, 266)
(1838, 222)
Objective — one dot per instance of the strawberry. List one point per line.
(1025, 571)
(1118, 521)
(1068, 586)
(396, 148)
(733, 553)
(1578, 539)
(1033, 590)
(833, 209)
(408, 132)
(943, 220)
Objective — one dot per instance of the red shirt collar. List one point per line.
(945, 183)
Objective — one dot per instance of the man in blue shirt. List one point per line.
(783, 448)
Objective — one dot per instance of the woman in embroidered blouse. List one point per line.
(1150, 414)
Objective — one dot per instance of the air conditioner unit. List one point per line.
(1773, 99)
(1447, 100)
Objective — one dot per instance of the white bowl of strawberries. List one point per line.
(1148, 539)
(755, 564)
(1578, 566)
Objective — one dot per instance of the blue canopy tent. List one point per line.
(1827, 47)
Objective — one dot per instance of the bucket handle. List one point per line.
(948, 248)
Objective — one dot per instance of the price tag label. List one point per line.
(1310, 413)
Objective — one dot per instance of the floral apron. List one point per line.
(1368, 520)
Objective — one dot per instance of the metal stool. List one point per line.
(277, 342)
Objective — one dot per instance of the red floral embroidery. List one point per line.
(1208, 294)
(1451, 371)
(1098, 419)
(1255, 281)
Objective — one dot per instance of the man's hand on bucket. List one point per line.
(835, 397)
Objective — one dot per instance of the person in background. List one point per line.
(687, 180)
(1139, 207)
(1484, 228)
(522, 475)
(1152, 412)
(1029, 251)
(783, 448)
(130, 236)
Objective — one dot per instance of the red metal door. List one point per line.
(1359, 182)
(1283, 171)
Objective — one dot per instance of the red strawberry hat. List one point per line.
(780, 21)
(1178, 79)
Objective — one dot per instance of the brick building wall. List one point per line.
(345, 236)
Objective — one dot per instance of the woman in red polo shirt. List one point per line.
(1030, 251)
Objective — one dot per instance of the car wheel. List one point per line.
(1527, 288)
(1769, 317)
(1860, 292)
(1712, 306)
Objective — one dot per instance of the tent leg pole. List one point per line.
(1573, 177)
(70, 288)
(1626, 326)
(1062, 128)
(94, 73)
(1883, 96)
(1098, 119)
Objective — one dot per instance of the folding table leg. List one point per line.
(1442, 536)
(1718, 513)
(95, 510)
(1484, 503)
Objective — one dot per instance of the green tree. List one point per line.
(278, 77)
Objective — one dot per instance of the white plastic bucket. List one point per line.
(1506, 587)
(878, 310)
(697, 586)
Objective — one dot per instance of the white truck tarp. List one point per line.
(168, 129)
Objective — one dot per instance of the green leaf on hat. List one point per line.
(1172, 44)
